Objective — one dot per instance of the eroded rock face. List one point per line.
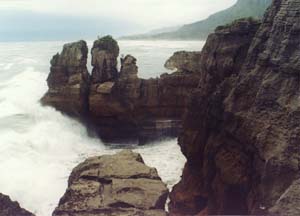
(105, 52)
(184, 61)
(287, 203)
(225, 51)
(10, 208)
(132, 108)
(115, 185)
(129, 69)
(68, 80)
(142, 109)
(241, 130)
(119, 106)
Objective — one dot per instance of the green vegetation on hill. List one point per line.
(200, 30)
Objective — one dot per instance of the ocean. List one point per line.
(40, 146)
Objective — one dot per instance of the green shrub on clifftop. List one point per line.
(107, 43)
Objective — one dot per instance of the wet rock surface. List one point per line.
(119, 184)
(10, 208)
(242, 127)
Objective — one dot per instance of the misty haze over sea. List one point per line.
(35, 20)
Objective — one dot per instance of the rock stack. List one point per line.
(105, 53)
(69, 80)
(119, 105)
(129, 69)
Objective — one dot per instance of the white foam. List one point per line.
(8, 66)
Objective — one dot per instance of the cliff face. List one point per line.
(119, 105)
(114, 185)
(10, 208)
(242, 127)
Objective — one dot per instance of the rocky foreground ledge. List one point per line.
(115, 185)
(118, 104)
(10, 208)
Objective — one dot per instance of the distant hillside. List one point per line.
(200, 30)
(152, 33)
(163, 30)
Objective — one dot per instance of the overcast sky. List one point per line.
(134, 15)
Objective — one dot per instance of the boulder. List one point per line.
(105, 88)
(68, 80)
(241, 130)
(184, 61)
(105, 52)
(10, 208)
(119, 184)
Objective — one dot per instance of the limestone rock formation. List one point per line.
(105, 52)
(128, 107)
(225, 50)
(68, 80)
(242, 127)
(10, 208)
(129, 69)
(114, 185)
(139, 108)
(184, 61)
(119, 105)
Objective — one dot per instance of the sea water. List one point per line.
(40, 146)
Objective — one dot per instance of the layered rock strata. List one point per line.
(10, 208)
(242, 127)
(184, 61)
(105, 52)
(138, 107)
(119, 105)
(114, 185)
(69, 80)
(132, 108)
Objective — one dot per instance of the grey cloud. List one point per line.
(150, 13)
